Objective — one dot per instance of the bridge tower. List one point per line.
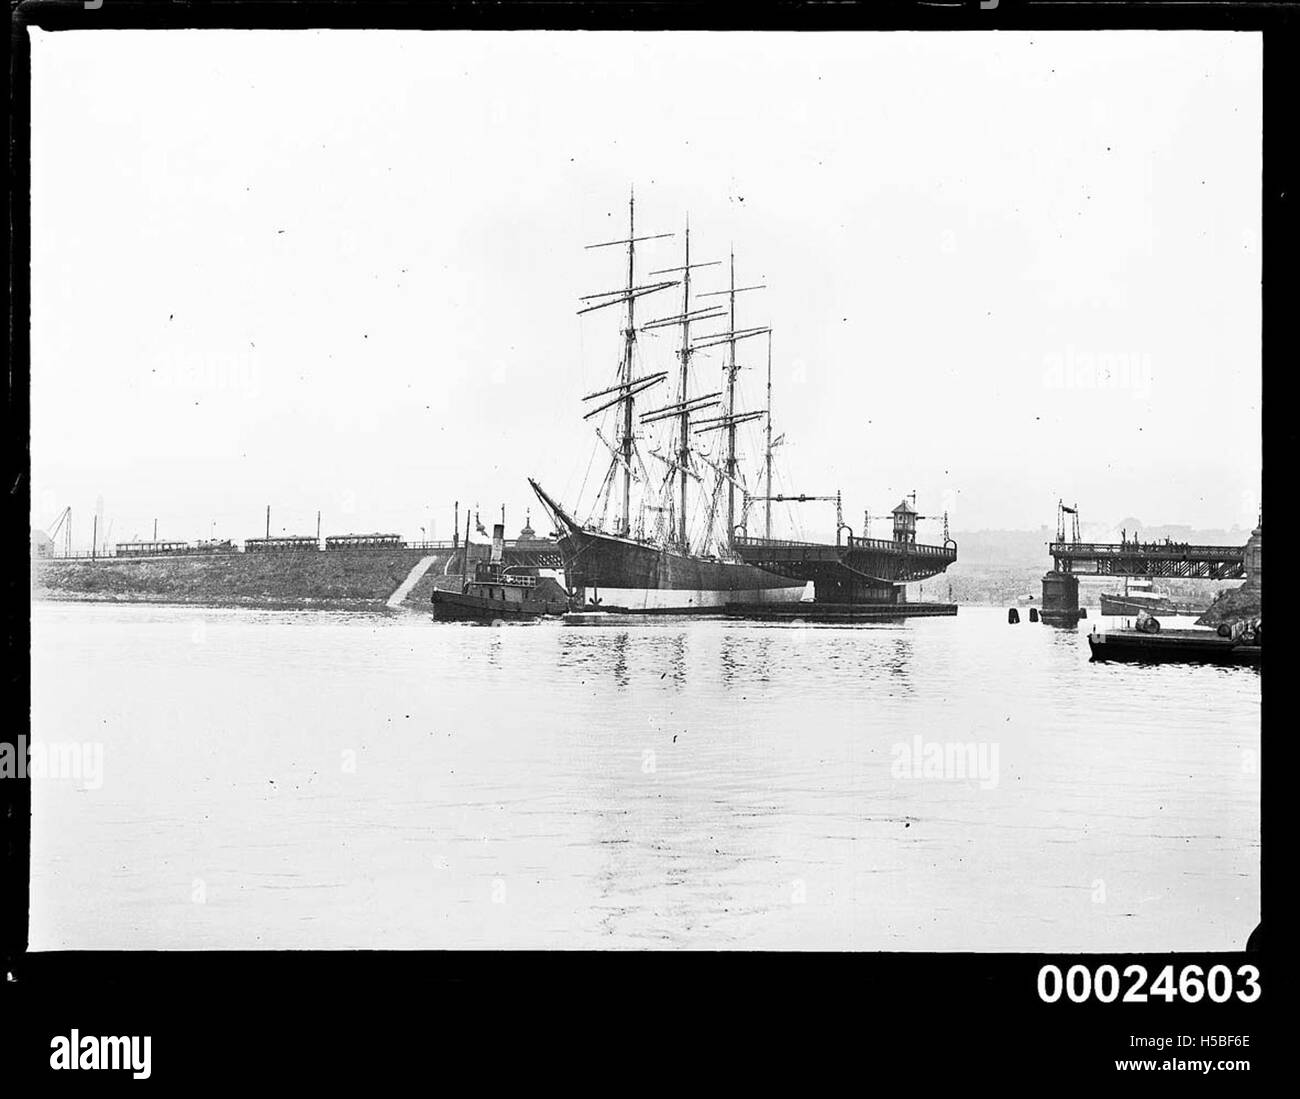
(1254, 554)
(1061, 588)
(1060, 598)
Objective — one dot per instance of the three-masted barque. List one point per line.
(664, 551)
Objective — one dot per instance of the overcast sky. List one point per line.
(340, 270)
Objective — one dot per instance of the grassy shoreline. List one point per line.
(335, 581)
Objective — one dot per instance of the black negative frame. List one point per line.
(229, 1016)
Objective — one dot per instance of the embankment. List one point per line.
(1243, 604)
(329, 580)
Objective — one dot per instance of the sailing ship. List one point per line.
(667, 555)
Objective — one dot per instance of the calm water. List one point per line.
(319, 780)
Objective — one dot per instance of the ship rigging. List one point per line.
(692, 417)
(682, 558)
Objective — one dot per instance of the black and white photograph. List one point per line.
(751, 493)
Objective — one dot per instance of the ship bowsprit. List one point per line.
(861, 570)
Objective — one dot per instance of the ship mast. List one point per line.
(628, 386)
(629, 344)
(684, 454)
(731, 418)
(685, 403)
(731, 407)
(767, 522)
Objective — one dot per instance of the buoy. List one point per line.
(1033, 614)
(1013, 616)
(1224, 630)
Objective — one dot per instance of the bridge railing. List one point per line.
(774, 542)
(1175, 551)
(884, 545)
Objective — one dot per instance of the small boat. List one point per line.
(499, 592)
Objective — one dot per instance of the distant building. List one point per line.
(528, 536)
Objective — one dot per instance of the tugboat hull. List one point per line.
(450, 606)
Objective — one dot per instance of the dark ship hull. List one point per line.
(622, 574)
(451, 606)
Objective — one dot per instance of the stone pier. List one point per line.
(1060, 599)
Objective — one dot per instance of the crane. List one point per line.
(64, 523)
(1061, 512)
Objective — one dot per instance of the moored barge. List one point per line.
(1174, 646)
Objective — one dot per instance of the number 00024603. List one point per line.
(1107, 984)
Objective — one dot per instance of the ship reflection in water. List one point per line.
(371, 781)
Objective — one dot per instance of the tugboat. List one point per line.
(498, 592)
